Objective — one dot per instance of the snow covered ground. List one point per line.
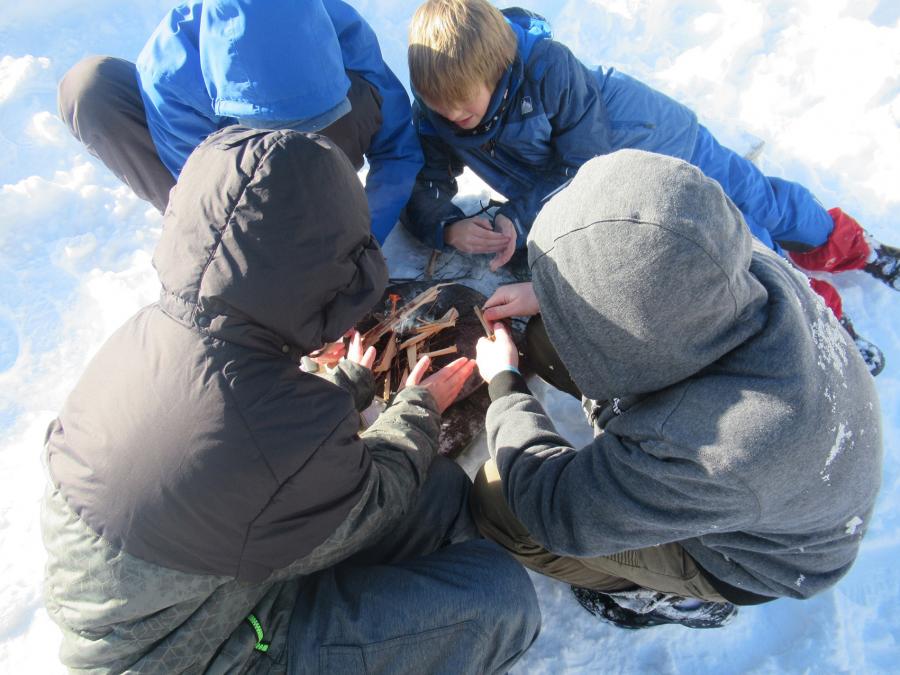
(817, 80)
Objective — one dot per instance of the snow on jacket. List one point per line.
(548, 115)
(210, 62)
(736, 417)
(196, 472)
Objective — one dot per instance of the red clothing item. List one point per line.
(830, 295)
(846, 248)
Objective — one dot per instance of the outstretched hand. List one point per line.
(445, 384)
(355, 351)
(497, 355)
(511, 300)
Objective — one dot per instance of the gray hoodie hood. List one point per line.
(266, 242)
(641, 266)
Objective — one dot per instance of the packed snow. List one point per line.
(810, 87)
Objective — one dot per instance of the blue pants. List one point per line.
(781, 214)
(426, 599)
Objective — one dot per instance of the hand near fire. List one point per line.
(330, 354)
(497, 355)
(445, 384)
(355, 351)
(511, 300)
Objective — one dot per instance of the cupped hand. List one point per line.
(507, 228)
(512, 300)
(497, 355)
(476, 235)
(356, 354)
(445, 384)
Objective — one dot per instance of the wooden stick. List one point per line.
(452, 314)
(424, 334)
(411, 356)
(484, 324)
(429, 268)
(442, 352)
(387, 385)
(390, 351)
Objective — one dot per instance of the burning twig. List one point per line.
(395, 320)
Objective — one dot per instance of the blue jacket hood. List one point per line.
(212, 63)
(244, 81)
(529, 29)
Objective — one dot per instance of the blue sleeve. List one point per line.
(431, 208)
(580, 126)
(394, 155)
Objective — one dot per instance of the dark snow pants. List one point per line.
(101, 105)
(428, 598)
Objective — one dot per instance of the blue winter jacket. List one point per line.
(548, 115)
(210, 62)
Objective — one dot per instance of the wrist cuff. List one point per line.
(507, 382)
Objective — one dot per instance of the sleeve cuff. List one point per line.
(507, 382)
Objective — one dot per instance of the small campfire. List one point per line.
(404, 334)
(420, 317)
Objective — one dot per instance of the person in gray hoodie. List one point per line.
(214, 508)
(737, 449)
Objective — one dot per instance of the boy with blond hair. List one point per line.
(494, 92)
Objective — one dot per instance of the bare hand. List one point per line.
(476, 235)
(506, 227)
(329, 355)
(445, 384)
(355, 351)
(497, 355)
(512, 300)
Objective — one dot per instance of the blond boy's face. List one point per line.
(467, 114)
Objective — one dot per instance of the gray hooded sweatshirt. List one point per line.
(735, 415)
(196, 473)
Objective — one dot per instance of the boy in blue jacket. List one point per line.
(311, 66)
(495, 93)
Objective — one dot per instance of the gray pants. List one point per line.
(100, 103)
(426, 599)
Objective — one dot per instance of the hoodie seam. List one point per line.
(229, 219)
(636, 221)
(735, 476)
(265, 461)
(675, 408)
(279, 483)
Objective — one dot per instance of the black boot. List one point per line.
(870, 352)
(886, 265)
(644, 608)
